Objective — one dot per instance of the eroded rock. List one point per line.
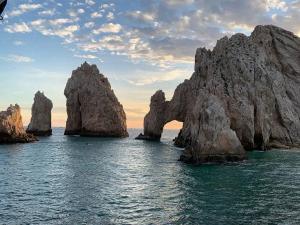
(256, 82)
(40, 124)
(11, 127)
(92, 107)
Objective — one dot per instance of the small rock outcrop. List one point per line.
(11, 127)
(243, 95)
(40, 124)
(92, 107)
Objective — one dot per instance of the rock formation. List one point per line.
(243, 94)
(11, 127)
(40, 124)
(92, 107)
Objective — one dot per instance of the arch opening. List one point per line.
(171, 130)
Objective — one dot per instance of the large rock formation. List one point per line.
(40, 124)
(242, 95)
(92, 107)
(11, 127)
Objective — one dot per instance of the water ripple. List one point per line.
(73, 180)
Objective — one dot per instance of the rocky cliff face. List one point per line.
(11, 127)
(40, 124)
(243, 95)
(92, 107)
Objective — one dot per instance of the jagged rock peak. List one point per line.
(255, 81)
(11, 127)
(40, 124)
(92, 107)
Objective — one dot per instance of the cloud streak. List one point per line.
(17, 58)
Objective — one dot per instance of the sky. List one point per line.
(140, 45)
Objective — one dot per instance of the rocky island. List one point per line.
(11, 127)
(243, 95)
(40, 124)
(92, 107)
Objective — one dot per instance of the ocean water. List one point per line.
(79, 180)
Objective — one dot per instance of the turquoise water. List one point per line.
(74, 180)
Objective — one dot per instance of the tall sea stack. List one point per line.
(92, 107)
(243, 95)
(40, 124)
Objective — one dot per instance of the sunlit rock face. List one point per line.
(40, 124)
(92, 107)
(11, 127)
(249, 85)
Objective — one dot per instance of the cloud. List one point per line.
(141, 16)
(96, 15)
(89, 24)
(153, 77)
(18, 28)
(18, 43)
(49, 12)
(90, 2)
(108, 28)
(276, 4)
(61, 32)
(17, 58)
(110, 16)
(56, 27)
(23, 8)
(179, 2)
(159, 33)
(86, 56)
(80, 11)
(61, 21)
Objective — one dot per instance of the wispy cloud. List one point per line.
(153, 77)
(23, 8)
(159, 33)
(18, 28)
(108, 28)
(17, 58)
(86, 56)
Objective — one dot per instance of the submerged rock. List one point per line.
(40, 124)
(11, 127)
(242, 95)
(92, 107)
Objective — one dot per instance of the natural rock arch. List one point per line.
(242, 95)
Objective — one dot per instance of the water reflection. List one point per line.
(73, 180)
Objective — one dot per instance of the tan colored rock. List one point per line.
(256, 80)
(212, 139)
(40, 124)
(11, 127)
(92, 107)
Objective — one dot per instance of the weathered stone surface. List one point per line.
(256, 82)
(211, 131)
(40, 124)
(92, 107)
(11, 127)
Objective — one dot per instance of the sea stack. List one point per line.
(92, 107)
(11, 127)
(243, 95)
(40, 124)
